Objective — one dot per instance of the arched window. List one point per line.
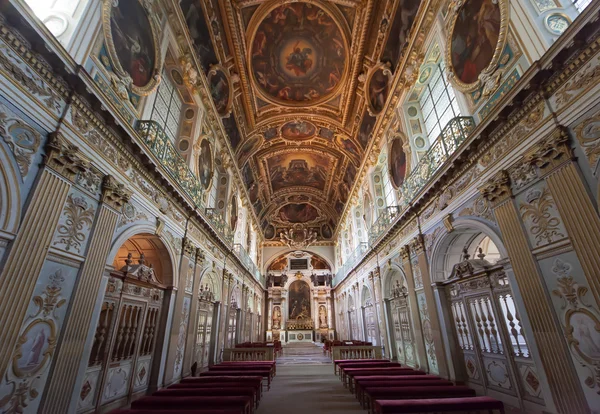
(167, 107)
(438, 103)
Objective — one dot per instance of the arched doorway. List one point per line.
(486, 337)
(369, 320)
(208, 295)
(398, 310)
(124, 360)
(353, 319)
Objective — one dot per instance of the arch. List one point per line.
(280, 255)
(449, 247)
(393, 274)
(10, 193)
(209, 277)
(366, 295)
(169, 262)
(236, 297)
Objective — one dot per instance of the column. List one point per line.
(565, 389)
(433, 333)
(555, 157)
(69, 359)
(195, 254)
(28, 250)
(420, 350)
(174, 362)
(375, 278)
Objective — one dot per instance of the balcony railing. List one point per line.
(245, 258)
(453, 134)
(162, 147)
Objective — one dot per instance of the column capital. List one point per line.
(497, 189)
(114, 193)
(188, 247)
(552, 151)
(200, 256)
(64, 157)
(405, 252)
(418, 244)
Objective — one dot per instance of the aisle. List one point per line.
(307, 387)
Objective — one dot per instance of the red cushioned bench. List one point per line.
(235, 373)
(209, 392)
(255, 381)
(349, 373)
(192, 403)
(198, 409)
(415, 392)
(360, 387)
(373, 364)
(337, 362)
(445, 405)
(268, 363)
(244, 367)
(361, 382)
(256, 387)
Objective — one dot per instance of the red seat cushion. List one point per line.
(432, 391)
(198, 409)
(161, 403)
(392, 384)
(352, 372)
(417, 377)
(437, 404)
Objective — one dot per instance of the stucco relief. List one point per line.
(540, 216)
(75, 223)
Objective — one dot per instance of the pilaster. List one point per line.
(565, 389)
(71, 349)
(197, 258)
(24, 261)
(420, 349)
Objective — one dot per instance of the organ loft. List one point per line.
(300, 206)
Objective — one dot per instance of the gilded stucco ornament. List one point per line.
(461, 47)
(64, 157)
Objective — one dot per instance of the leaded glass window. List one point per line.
(438, 103)
(167, 107)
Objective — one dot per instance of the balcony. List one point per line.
(163, 149)
(245, 258)
(451, 137)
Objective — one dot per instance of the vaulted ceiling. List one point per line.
(299, 85)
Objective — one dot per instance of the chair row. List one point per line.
(226, 388)
(385, 387)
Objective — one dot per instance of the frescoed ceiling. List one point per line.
(300, 85)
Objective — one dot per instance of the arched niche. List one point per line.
(210, 279)
(393, 278)
(10, 193)
(281, 262)
(366, 297)
(468, 235)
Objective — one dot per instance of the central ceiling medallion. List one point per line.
(298, 55)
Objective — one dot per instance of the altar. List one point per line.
(300, 336)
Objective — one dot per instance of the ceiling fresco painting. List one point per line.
(300, 87)
(298, 213)
(297, 169)
(298, 55)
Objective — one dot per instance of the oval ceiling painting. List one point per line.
(298, 213)
(218, 81)
(205, 164)
(298, 130)
(397, 163)
(379, 89)
(131, 44)
(298, 55)
(474, 39)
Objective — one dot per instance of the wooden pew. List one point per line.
(416, 392)
(191, 403)
(444, 405)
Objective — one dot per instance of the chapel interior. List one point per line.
(299, 206)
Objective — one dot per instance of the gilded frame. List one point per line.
(212, 162)
(486, 74)
(403, 140)
(51, 340)
(212, 71)
(112, 52)
(386, 68)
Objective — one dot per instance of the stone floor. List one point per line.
(305, 384)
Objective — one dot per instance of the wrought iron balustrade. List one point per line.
(215, 218)
(451, 137)
(354, 257)
(162, 147)
(247, 261)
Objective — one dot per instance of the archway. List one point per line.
(368, 314)
(398, 310)
(486, 338)
(125, 356)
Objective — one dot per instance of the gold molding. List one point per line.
(488, 76)
(112, 52)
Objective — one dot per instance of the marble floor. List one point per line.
(307, 387)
